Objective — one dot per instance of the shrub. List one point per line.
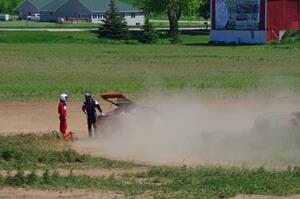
(16, 180)
(291, 36)
(46, 177)
(149, 34)
(31, 178)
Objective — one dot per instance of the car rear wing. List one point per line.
(117, 99)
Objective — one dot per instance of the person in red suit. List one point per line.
(62, 111)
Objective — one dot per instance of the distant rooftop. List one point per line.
(91, 5)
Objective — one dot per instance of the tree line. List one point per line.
(8, 6)
(174, 9)
(115, 26)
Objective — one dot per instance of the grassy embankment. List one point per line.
(31, 152)
(40, 65)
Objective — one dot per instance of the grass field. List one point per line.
(32, 24)
(45, 152)
(40, 65)
(48, 151)
(48, 25)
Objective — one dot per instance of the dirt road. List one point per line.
(13, 193)
(17, 117)
(21, 193)
(38, 117)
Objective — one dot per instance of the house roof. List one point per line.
(54, 5)
(102, 5)
(37, 3)
(91, 5)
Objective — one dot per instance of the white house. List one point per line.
(93, 10)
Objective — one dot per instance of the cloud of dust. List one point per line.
(192, 130)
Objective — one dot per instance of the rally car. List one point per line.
(123, 107)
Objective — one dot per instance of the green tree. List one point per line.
(149, 34)
(193, 8)
(8, 6)
(115, 26)
(204, 9)
(173, 8)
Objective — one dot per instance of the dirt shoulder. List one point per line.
(15, 193)
(22, 193)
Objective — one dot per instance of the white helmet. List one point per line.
(63, 97)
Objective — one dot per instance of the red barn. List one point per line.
(252, 21)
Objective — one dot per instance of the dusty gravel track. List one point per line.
(42, 116)
(16, 117)
(21, 193)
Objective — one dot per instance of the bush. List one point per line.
(291, 36)
(46, 177)
(31, 178)
(16, 180)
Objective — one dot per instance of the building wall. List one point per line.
(26, 9)
(238, 36)
(72, 9)
(98, 17)
(138, 18)
(132, 18)
(282, 15)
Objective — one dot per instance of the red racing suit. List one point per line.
(62, 111)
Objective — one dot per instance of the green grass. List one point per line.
(48, 25)
(32, 24)
(161, 182)
(48, 37)
(202, 182)
(31, 151)
(39, 66)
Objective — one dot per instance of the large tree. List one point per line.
(173, 8)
